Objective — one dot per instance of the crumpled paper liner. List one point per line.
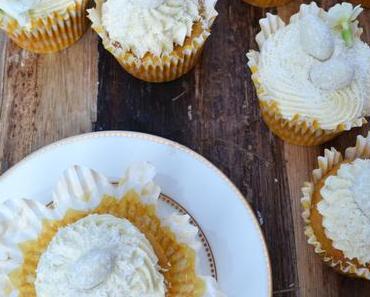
(315, 232)
(176, 259)
(298, 130)
(50, 34)
(159, 69)
(267, 3)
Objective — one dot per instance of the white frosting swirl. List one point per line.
(24, 10)
(346, 209)
(284, 71)
(99, 255)
(150, 26)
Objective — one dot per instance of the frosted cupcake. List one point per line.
(337, 209)
(312, 75)
(267, 3)
(156, 41)
(99, 239)
(44, 26)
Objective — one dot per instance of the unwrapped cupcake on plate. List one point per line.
(154, 40)
(336, 209)
(44, 26)
(312, 75)
(99, 239)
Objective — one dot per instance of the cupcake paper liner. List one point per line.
(327, 165)
(298, 130)
(159, 69)
(29, 227)
(267, 3)
(52, 33)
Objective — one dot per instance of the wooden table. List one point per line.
(212, 110)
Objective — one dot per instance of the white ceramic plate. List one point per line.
(240, 254)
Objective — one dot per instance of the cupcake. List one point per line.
(312, 75)
(156, 41)
(44, 26)
(99, 239)
(337, 209)
(267, 3)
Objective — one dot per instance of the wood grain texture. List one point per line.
(45, 98)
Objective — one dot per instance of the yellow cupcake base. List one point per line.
(53, 33)
(267, 3)
(177, 260)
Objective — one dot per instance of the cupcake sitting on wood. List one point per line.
(336, 208)
(44, 26)
(312, 75)
(154, 40)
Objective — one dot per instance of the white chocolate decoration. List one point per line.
(331, 75)
(96, 265)
(316, 37)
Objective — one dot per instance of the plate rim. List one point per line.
(163, 141)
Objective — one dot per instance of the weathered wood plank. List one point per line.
(45, 98)
(214, 111)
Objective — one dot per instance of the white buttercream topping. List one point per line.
(99, 255)
(346, 209)
(23, 10)
(150, 26)
(18, 9)
(285, 64)
(96, 265)
(331, 75)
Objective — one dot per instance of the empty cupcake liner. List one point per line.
(327, 165)
(298, 130)
(167, 67)
(51, 33)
